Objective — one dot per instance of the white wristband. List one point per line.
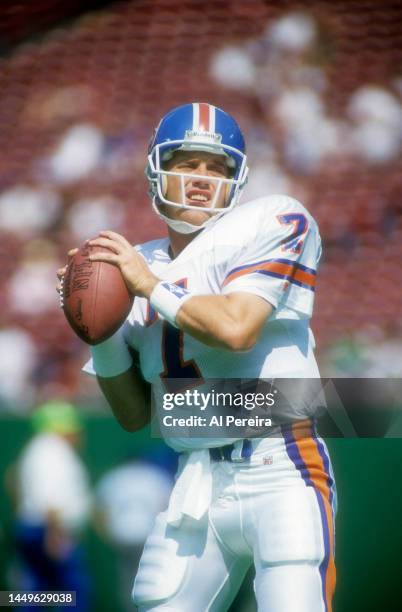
(168, 298)
(111, 357)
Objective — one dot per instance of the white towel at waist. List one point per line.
(192, 492)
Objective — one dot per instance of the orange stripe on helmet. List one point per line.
(203, 119)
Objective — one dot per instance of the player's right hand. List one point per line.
(61, 271)
(136, 273)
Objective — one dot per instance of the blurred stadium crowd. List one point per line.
(316, 88)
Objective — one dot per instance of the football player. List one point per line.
(229, 292)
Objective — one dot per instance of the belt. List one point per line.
(225, 453)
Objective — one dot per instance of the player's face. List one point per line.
(199, 192)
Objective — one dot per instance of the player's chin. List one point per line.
(195, 217)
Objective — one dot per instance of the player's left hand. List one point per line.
(136, 273)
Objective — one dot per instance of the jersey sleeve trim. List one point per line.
(284, 269)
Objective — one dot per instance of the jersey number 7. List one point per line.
(294, 242)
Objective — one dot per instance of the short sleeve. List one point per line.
(280, 263)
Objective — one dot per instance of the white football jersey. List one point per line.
(269, 247)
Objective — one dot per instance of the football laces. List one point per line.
(61, 293)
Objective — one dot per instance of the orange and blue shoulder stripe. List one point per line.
(284, 269)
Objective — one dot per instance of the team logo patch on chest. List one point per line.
(268, 460)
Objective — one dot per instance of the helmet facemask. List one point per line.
(158, 177)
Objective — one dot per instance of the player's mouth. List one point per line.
(198, 197)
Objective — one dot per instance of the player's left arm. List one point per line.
(232, 321)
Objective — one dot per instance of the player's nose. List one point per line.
(202, 183)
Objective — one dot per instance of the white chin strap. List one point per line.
(183, 227)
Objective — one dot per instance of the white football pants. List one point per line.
(275, 510)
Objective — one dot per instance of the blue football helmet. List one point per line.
(196, 127)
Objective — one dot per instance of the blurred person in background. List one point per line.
(49, 485)
(128, 499)
(33, 278)
(18, 360)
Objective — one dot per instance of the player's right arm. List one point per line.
(129, 398)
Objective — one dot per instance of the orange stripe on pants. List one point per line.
(309, 453)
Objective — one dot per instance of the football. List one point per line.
(94, 296)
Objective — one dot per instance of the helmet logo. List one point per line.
(204, 136)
